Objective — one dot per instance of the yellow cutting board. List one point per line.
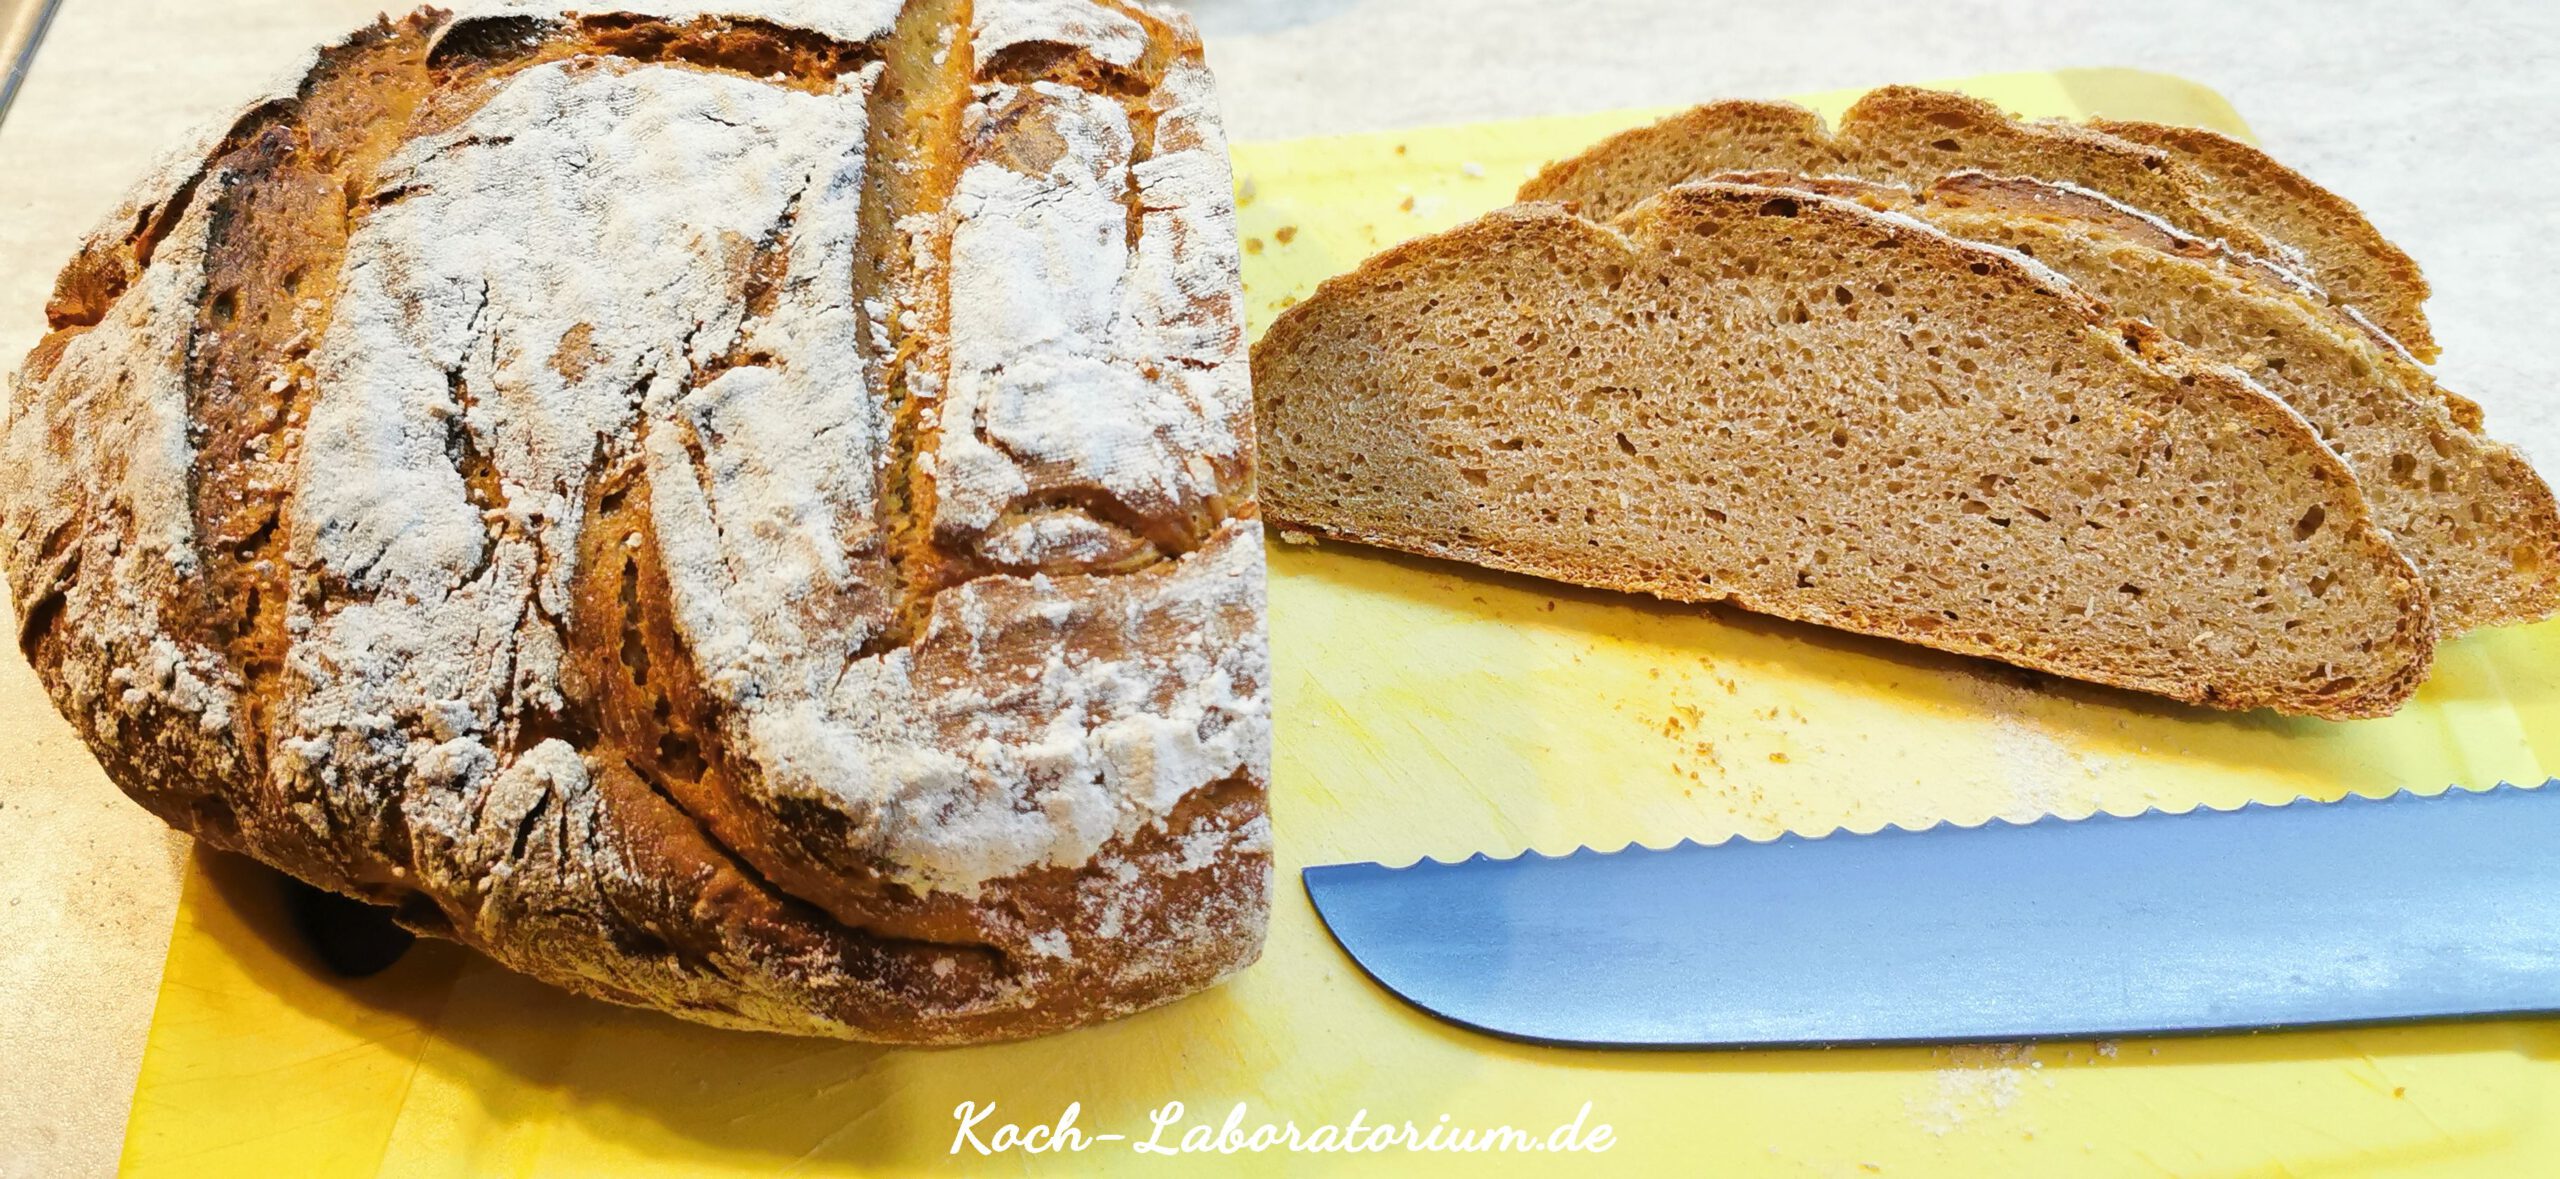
(1433, 709)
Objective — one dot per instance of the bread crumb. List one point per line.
(1407, 203)
(1981, 1079)
(1244, 191)
(1285, 234)
(1399, 149)
(1253, 245)
(1293, 536)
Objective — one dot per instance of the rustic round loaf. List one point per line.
(746, 513)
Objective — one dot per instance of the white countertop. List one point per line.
(2442, 121)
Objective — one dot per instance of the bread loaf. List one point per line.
(1818, 410)
(2469, 512)
(1910, 136)
(748, 513)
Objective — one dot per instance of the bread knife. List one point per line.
(2360, 911)
(22, 26)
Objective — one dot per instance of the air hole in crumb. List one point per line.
(2310, 523)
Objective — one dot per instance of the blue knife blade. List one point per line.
(2359, 911)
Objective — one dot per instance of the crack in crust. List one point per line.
(598, 803)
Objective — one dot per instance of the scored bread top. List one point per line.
(1910, 136)
(807, 451)
(1841, 415)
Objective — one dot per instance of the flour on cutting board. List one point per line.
(1980, 1081)
(2043, 771)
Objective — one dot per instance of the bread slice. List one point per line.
(1910, 136)
(1825, 412)
(2345, 253)
(2469, 512)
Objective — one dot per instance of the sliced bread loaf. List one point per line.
(2343, 250)
(1910, 136)
(2469, 512)
(1830, 413)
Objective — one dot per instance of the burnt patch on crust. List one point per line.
(485, 41)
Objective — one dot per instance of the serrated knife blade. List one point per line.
(2360, 911)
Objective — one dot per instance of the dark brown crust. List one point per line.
(660, 876)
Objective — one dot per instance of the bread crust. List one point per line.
(576, 589)
(2196, 181)
(2399, 644)
(2346, 253)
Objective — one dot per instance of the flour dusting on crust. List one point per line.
(119, 404)
(1109, 36)
(1027, 717)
